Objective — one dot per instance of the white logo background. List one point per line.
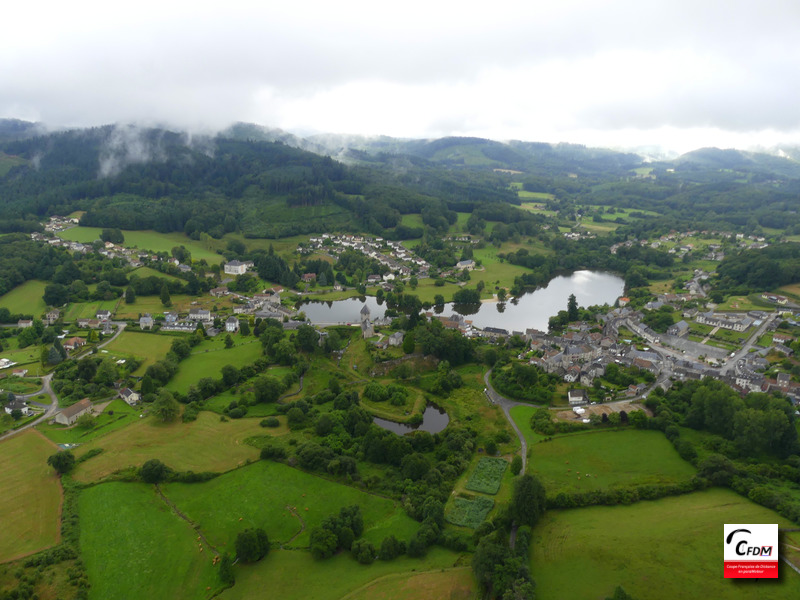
(760, 535)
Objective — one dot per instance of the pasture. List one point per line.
(134, 546)
(25, 299)
(31, 507)
(277, 497)
(208, 358)
(667, 548)
(148, 347)
(601, 460)
(152, 241)
(206, 444)
(180, 303)
(333, 579)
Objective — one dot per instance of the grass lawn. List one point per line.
(259, 495)
(143, 272)
(667, 548)
(21, 385)
(208, 358)
(105, 423)
(610, 458)
(206, 444)
(28, 357)
(25, 299)
(522, 417)
(134, 546)
(150, 240)
(457, 583)
(299, 577)
(148, 347)
(88, 310)
(31, 507)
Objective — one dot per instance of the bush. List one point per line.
(252, 545)
(516, 464)
(270, 422)
(363, 552)
(272, 452)
(154, 471)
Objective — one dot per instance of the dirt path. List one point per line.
(290, 394)
(302, 525)
(178, 512)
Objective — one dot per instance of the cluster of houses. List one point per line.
(393, 255)
(713, 251)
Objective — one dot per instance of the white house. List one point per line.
(20, 405)
(465, 264)
(577, 397)
(199, 314)
(129, 396)
(146, 321)
(235, 267)
(232, 325)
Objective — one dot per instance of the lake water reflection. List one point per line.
(434, 420)
(532, 310)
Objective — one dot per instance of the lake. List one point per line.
(434, 420)
(530, 311)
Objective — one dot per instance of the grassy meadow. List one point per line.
(667, 548)
(26, 299)
(206, 444)
(299, 577)
(208, 358)
(261, 495)
(147, 347)
(150, 240)
(457, 583)
(31, 507)
(598, 461)
(134, 546)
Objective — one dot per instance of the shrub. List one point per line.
(252, 545)
(270, 422)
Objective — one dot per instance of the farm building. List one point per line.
(69, 415)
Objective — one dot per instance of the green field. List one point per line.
(26, 299)
(259, 495)
(299, 577)
(206, 444)
(143, 272)
(208, 358)
(487, 475)
(149, 240)
(31, 507)
(601, 460)
(148, 347)
(8, 162)
(667, 548)
(134, 546)
(522, 417)
(88, 310)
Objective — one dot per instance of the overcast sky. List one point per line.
(679, 74)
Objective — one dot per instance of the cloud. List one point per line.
(506, 69)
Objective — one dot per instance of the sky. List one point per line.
(673, 75)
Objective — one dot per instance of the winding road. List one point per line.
(506, 405)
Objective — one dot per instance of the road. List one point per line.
(51, 411)
(506, 405)
(53, 408)
(741, 354)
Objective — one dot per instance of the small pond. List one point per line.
(434, 420)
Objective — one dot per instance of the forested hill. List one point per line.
(136, 178)
(269, 183)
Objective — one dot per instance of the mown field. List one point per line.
(148, 347)
(88, 310)
(30, 510)
(25, 299)
(299, 577)
(667, 548)
(457, 583)
(272, 495)
(206, 444)
(134, 546)
(208, 358)
(180, 303)
(598, 461)
(149, 240)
